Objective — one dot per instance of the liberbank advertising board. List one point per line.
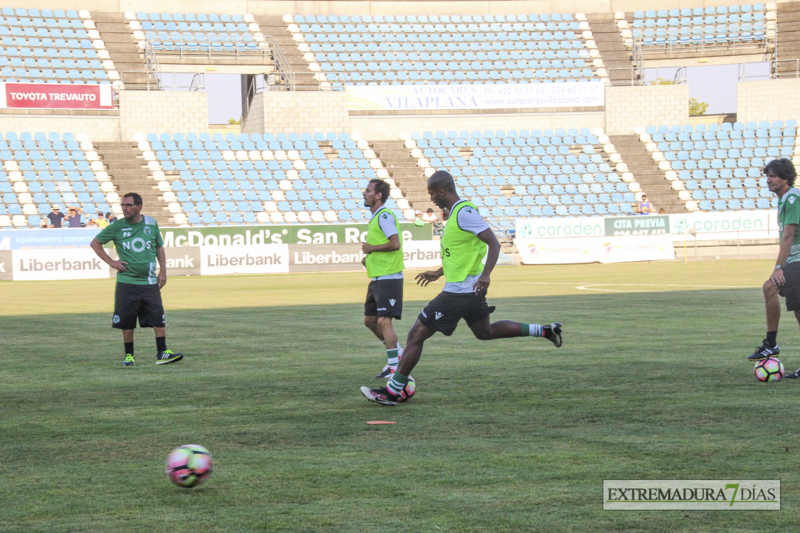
(53, 254)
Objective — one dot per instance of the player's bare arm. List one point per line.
(161, 257)
(424, 278)
(391, 246)
(777, 277)
(483, 281)
(119, 266)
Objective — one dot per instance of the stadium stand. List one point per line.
(205, 179)
(356, 50)
(53, 46)
(721, 25)
(196, 32)
(719, 167)
(279, 178)
(43, 169)
(547, 173)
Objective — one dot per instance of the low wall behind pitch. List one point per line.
(60, 254)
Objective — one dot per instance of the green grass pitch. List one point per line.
(503, 436)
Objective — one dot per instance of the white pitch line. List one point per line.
(666, 285)
(590, 287)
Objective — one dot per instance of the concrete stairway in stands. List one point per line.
(788, 40)
(277, 28)
(129, 173)
(646, 172)
(405, 172)
(124, 50)
(613, 52)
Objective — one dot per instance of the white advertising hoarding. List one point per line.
(422, 254)
(264, 259)
(553, 228)
(595, 249)
(474, 96)
(65, 263)
(727, 225)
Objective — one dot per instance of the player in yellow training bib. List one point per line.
(466, 241)
(384, 262)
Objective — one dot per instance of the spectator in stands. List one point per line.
(662, 211)
(429, 216)
(110, 217)
(101, 221)
(55, 218)
(644, 207)
(785, 277)
(418, 218)
(74, 217)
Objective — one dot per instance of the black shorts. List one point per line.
(791, 289)
(137, 301)
(384, 298)
(443, 312)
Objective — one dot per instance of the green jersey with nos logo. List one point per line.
(136, 245)
(789, 213)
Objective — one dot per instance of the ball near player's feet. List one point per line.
(408, 391)
(769, 369)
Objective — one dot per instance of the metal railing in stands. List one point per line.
(163, 82)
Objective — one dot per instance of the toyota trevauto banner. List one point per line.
(56, 96)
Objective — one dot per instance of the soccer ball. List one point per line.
(408, 391)
(769, 369)
(189, 465)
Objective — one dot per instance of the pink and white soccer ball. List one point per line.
(408, 391)
(189, 465)
(769, 369)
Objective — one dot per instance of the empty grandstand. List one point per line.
(40, 170)
(473, 48)
(53, 46)
(299, 165)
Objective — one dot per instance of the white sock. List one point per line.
(393, 358)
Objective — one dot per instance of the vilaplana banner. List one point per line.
(475, 96)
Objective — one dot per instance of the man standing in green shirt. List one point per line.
(785, 278)
(464, 245)
(384, 262)
(138, 292)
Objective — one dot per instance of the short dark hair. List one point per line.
(137, 200)
(442, 179)
(783, 168)
(382, 188)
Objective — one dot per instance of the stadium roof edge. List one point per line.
(287, 7)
